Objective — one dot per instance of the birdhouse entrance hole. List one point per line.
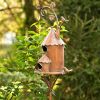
(44, 48)
(39, 66)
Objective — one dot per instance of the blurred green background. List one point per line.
(22, 29)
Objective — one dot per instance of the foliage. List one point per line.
(82, 53)
(70, 7)
(18, 71)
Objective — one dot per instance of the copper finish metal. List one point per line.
(45, 67)
(57, 33)
(56, 54)
(53, 60)
(44, 61)
(51, 39)
(51, 65)
(50, 82)
(55, 73)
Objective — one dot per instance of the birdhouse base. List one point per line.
(64, 71)
(53, 73)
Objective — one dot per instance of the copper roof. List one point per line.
(44, 59)
(51, 39)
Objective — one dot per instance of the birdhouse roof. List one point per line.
(51, 39)
(44, 59)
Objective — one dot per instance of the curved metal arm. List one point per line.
(51, 9)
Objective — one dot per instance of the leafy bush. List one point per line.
(21, 81)
(82, 55)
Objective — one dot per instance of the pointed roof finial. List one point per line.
(53, 38)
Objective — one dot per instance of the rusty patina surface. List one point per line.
(44, 59)
(56, 54)
(52, 61)
(51, 39)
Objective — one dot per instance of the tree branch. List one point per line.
(10, 8)
(11, 12)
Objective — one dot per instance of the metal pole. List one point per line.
(50, 90)
(50, 81)
(50, 96)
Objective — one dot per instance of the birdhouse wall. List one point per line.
(56, 54)
(45, 67)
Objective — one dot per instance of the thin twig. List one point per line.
(11, 11)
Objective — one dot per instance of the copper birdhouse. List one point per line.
(44, 63)
(52, 62)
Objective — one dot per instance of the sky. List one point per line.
(8, 38)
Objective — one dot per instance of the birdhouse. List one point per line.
(44, 63)
(52, 62)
